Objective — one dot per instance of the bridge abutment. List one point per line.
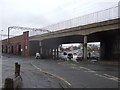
(110, 48)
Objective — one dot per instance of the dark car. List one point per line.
(70, 56)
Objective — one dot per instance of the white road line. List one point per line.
(86, 68)
(104, 75)
(73, 64)
(107, 77)
(101, 76)
(112, 77)
(36, 67)
(90, 71)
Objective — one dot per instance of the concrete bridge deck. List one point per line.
(80, 30)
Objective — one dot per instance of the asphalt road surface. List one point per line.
(41, 73)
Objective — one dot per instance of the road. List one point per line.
(41, 73)
(31, 77)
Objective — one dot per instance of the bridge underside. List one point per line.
(110, 44)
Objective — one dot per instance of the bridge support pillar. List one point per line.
(50, 53)
(57, 53)
(41, 51)
(85, 48)
(46, 53)
(53, 53)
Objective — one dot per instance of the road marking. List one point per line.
(112, 77)
(58, 77)
(101, 76)
(86, 68)
(104, 75)
(73, 64)
(90, 71)
(37, 67)
(53, 75)
(115, 79)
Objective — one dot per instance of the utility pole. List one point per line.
(8, 34)
(8, 42)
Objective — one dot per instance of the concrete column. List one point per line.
(50, 53)
(47, 53)
(57, 53)
(102, 50)
(85, 48)
(41, 50)
(53, 53)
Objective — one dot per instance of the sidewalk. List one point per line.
(100, 62)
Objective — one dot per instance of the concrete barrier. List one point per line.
(13, 83)
(17, 82)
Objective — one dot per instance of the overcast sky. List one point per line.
(40, 13)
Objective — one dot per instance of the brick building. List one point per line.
(18, 45)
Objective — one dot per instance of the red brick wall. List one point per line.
(16, 42)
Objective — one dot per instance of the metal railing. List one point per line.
(103, 15)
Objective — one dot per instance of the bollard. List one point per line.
(16, 72)
(18, 78)
(17, 69)
(13, 83)
(8, 84)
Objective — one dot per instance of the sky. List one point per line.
(41, 13)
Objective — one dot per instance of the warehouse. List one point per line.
(16, 45)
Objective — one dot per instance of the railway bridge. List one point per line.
(101, 26)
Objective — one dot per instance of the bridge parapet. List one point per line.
(80, 30)
(100, 16)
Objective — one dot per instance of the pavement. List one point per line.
(48, 73)
(31, 77)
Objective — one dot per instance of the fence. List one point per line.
(103, 15)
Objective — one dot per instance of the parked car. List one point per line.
(79, 57)
(63, 56)
(37, 55)
(70, 56)
(94, 56)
